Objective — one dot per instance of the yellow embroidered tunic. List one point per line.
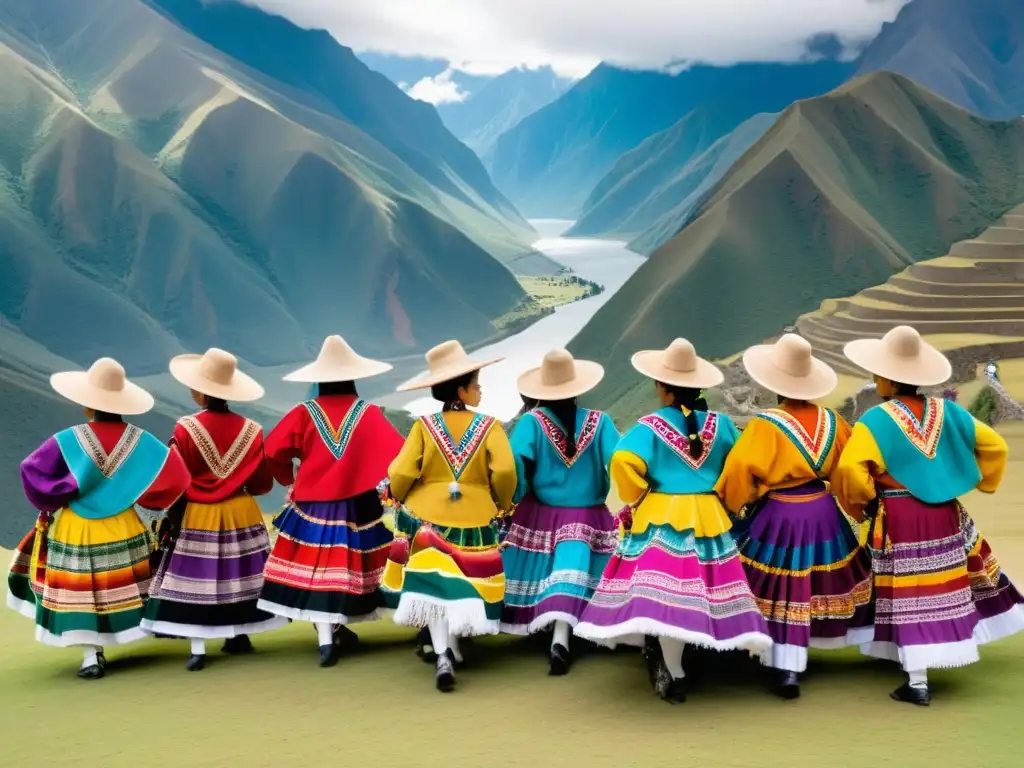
(766, 459)
(862, 472)
(438, 447)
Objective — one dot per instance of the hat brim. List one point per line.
(650, 363)
(446, 374)
(928, 368)
(242, 389)
(588, 375)
(317, 372)
(759, 363)
(133, 400)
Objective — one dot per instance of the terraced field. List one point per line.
(970, 303)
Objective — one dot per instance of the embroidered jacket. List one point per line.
(460, 446)
(782, 447)
(344, 446)
(224, 453)
(101, 469)
(931, 447)
(557, 480)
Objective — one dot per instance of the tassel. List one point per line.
(454, 491)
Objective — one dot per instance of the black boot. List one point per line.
(907, 693)
(92, 672)
(196, 662)
(787, 685)
(653, 660)
(101, 659)
(237, 645)
(674, 690)
(345, 640)
(559, 662)
(328, 655)
(444, 676)
(425, 646)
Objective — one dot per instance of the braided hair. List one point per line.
(692, 400)
(565, 412)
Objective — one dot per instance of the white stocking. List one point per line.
(918, 678)
(89, 658)
(561, 635)
(324, 633)
(439, 636)
(453, 644)
(672, 652)
(198, 646)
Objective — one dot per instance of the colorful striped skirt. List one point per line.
(553, 559)
(208, 584)
(679, 582)
(328, 561)
(96, 576)
(939, 591)
(23, 592)
(444, 574)
(810, 577)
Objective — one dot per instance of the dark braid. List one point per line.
(216, 404)
(108, 417)
(565, 412)
(693, 400)
(336, 388)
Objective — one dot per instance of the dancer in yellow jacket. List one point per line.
(453, 477)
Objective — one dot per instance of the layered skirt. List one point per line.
(939, 591)
(810, 577)
(554, 558)
(449, 574)
(90, 582)
(328, 561)
(208, 584)
(676, 573)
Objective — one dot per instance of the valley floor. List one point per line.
(378, 708)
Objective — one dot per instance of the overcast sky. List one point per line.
(492, 36)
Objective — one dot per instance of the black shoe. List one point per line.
(425, 647)
(662, 680)
(92, 672)
(559, 663)
(444, 677)
(328, 655)
(675, 691)
(787, 685)
(345, 640)
(101, 659)
(907, 693)
(653, 660)
(196, 662)
(238, 644)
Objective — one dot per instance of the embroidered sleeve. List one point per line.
(284, 444)
(629, 477)
(524, 451)
(501, 466)
(48, 483)
(747, 466)
(173, 480)
(854, 478)
(407, 467)
(991, 451)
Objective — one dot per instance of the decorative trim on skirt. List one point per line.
(328, 561)
(444, 574)
(677, 584)
(96, 577)
(553, 559)
(810, 577)
(23, 593)
(939, 590)
(208, 585)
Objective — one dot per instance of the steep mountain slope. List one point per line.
(966, 51)
(549, 163)
(842, 192)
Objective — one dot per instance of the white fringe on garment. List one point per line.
(542, 622)
(466, 617)
(201, 632)
(755, 643)
(998, 627)
(916, 657)
(77, 637)
(315, 617)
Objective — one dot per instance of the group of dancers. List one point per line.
(728, 540)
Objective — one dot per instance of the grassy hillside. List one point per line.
(842, 192)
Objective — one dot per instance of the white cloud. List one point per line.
(491, 36)
(438, 89)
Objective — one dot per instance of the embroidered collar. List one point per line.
(924, 434)
(336, 440)
(560, 440)
(221, 465)
(106, 463)
(680, 443)
(458, 455)
(814, 448)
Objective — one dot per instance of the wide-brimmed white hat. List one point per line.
(901, 356)
(560, 377)
(215, 374)
(445, 362)
(678, 365)
(788, 368)
(104, 387)
(337, 361)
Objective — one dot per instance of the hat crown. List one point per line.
(681, 356)
(557, 367)
(903, 341)
(445, 354)
(107, 374)
(336, 350)
(218, 366)
(791, 354)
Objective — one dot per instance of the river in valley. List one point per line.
(606, 262)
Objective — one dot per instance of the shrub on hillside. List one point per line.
(984, 406)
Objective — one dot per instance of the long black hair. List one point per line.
(448, 391)
(105, 416)
(336, 388)
(216, 404)
(693, 400)
(565, 412)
